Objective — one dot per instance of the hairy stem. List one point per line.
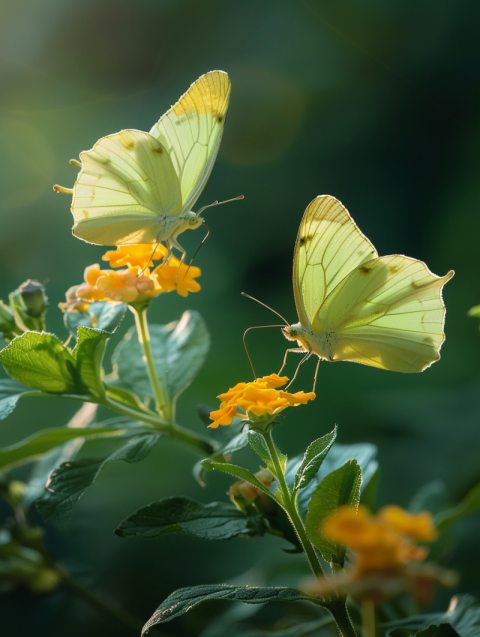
(164, 406)
(335, 603)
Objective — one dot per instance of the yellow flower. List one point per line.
(135, 283)
(258, 398)
(382, 543)
(140, 255)
(173, 275)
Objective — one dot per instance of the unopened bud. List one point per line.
(33, 297)
(7, 322)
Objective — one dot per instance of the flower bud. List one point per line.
(33, 298)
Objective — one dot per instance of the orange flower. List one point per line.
(134, 284)
(382, 543)
(258, 398)
(136, 255)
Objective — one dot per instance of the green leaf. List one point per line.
(214, 521)
(463, 615)
(474, 311)
(103, 315)
(363, 453)
(440, 630)
(312, 460)
(40, 360)
(10, 392)
(339, 487)
(39, 443)
(258, 444)
(185, 599)
(127, 398)
(369, 493)
(179, 350)
(469, 504)
(70, 480)
(89, 353)
(430, 497)
(238, 472)
(234, 444)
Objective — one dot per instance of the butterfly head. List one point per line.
(293, 332)
(193, 220)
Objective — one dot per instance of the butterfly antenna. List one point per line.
(268, 307)
(198, 249)
(256, 327)
(149, 261)
(218, 203)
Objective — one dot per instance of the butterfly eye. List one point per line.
(293, 332)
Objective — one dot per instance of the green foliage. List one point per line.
(339, 487)
(313, 459)
(258, 444)
(302, 629)
(69, 482)
(185, 599)
(39, 443)
(179, 350)
(88, 354)
(10, 392)
(474, 311)
(441, 630)
(238, 472)
(41, 361)
(363, 453)
(214, 521)
(28, 305)
(469, 504)
(103, 315)
(463, 616)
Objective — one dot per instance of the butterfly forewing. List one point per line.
(329, 246)
(387, 313)
(127, 183)
(191, 132)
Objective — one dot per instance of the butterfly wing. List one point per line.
(191, 132)
(387, 313)
(329, 246)
(127, 184)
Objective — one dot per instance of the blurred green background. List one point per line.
(376, 103)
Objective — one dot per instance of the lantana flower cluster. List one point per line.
(258, 399)
(136, 282)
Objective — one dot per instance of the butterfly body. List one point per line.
(385, 312)
(138, 187)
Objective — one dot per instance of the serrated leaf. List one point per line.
(179, 350)
(312, 460)
(38, 444)
(185, 599)
(238, 472)
(70, 480)
(258, 444)
(469, 504)
(463, 615)
(10, 392)
(103, 315)
(214, 521)
(40, 360)
(363, 453)
(88, 354)
(339, 487)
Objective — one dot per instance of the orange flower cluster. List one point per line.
(135, 283)
(258, 399)
(382, 543)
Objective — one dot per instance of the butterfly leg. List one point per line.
(174, 243)
(299, 350)
(316, 374)
(306, 357)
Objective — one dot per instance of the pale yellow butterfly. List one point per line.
(353, 305)
(136, 187)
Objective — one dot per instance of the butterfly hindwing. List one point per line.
(126, 185)
(329, 246)
(387, 313)
(191, 132)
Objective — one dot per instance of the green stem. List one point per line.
(335, 602)
(164, 406)
(177, 432)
